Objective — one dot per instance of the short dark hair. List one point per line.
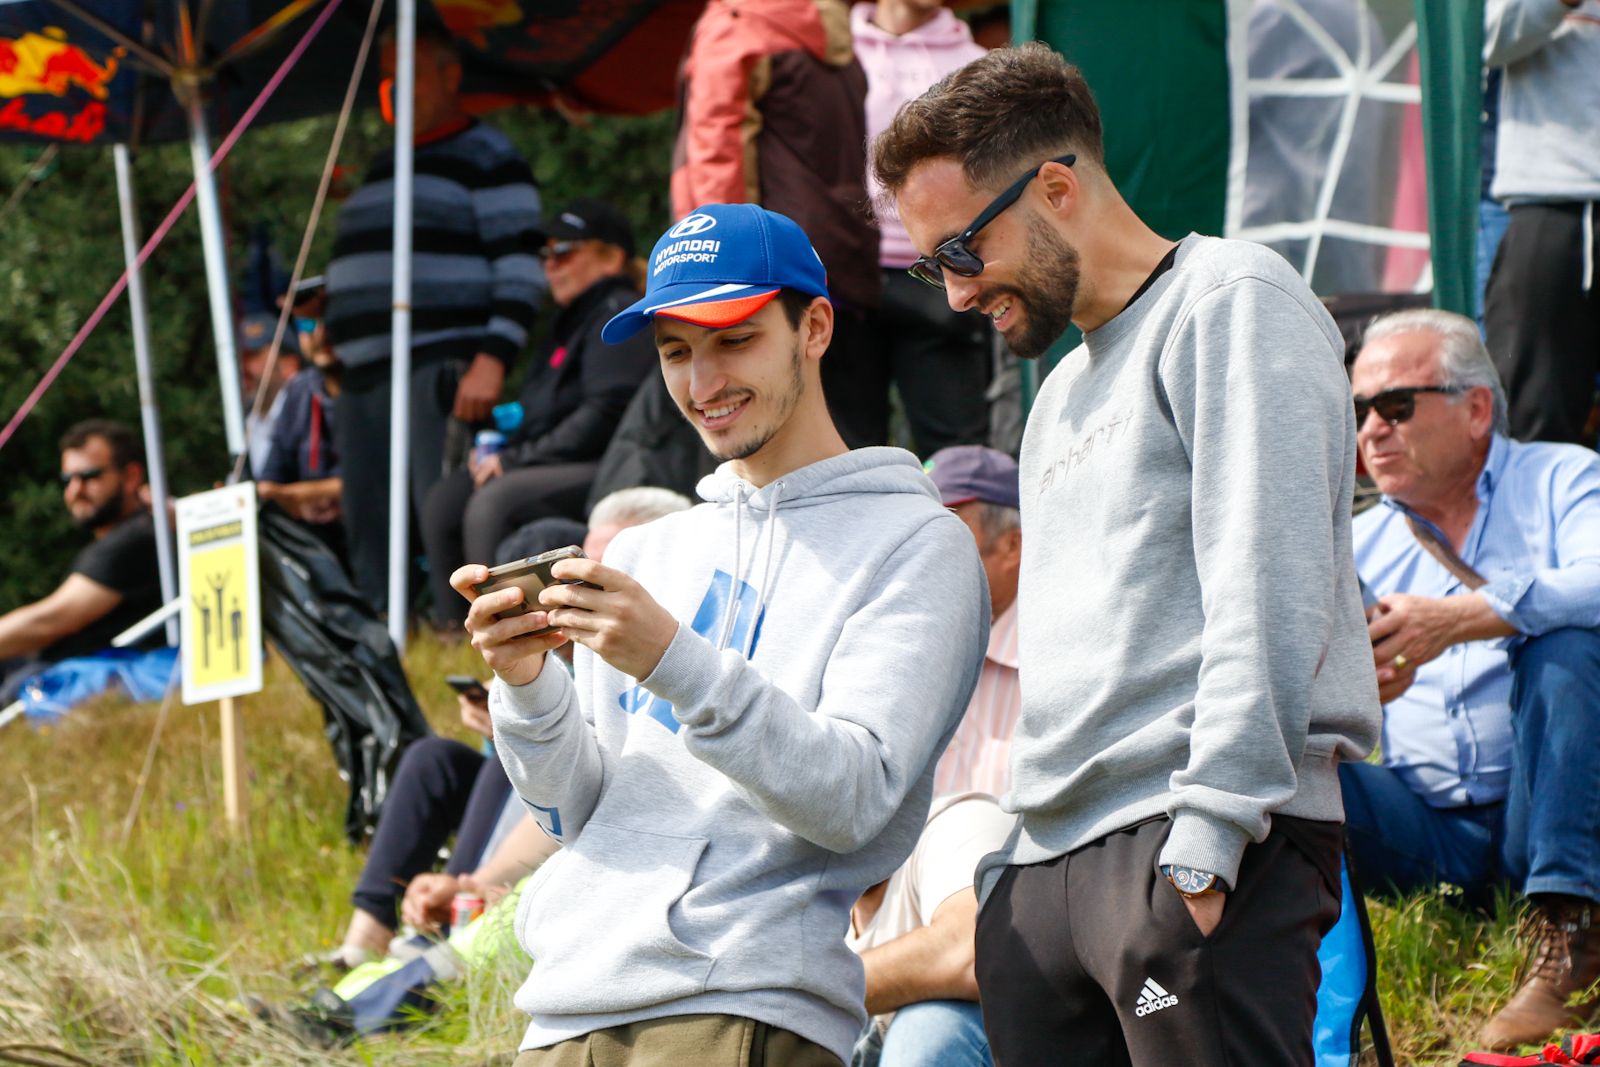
(794, 305)
(125, 445)
(997, 116)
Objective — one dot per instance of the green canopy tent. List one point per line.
(1344, 133)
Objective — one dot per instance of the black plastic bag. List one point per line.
(337, 645)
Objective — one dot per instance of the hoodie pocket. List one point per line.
(599, 927)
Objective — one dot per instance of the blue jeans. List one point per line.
(1542, 837)
(944, 1032)
(1493, 219)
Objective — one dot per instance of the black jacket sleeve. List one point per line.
(611, 375)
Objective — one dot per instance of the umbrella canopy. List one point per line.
(105, 71)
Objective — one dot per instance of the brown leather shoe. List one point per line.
(1563, 960)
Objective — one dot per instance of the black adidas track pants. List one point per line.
(1092, 958)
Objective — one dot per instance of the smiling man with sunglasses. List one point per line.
(1485, 561)
(113, 582)
(1194, 664)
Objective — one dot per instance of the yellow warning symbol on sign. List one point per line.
(221, 610)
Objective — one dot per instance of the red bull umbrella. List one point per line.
(102, 71)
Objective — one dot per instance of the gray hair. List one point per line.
(1463, 360)
(996, 519)
(636, 506)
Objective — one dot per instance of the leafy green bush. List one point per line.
(60, 250)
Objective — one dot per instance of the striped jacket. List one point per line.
(476, 280)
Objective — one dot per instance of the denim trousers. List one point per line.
(944, 1032)
(1543, 838)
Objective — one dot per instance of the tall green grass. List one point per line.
(139, 949)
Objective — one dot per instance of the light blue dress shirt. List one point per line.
(1536, 538)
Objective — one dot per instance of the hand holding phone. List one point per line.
(508, 627)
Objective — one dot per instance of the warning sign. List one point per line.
(220, 590)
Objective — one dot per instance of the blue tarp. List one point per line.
(59, 688)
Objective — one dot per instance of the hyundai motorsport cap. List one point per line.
(719, 265)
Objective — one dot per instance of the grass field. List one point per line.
(135, 947)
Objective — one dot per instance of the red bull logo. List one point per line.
(45, 64)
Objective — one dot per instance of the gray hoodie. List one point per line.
(720, 818)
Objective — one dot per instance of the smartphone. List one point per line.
(467, 686)
(530, 575)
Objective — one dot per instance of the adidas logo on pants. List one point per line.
(1152, 998)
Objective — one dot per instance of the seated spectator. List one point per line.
(255, 342)
(301, 471)
(443, 787)
(1485, 561)
(980, 485)
(915, 935)
(113, 582)
(615, 513)
(574, 396)
(915, 932)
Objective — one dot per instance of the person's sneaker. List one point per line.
(324, 1021)
(1563, 963)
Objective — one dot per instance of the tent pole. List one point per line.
(205, 188)
(150, 414)
(400, 324)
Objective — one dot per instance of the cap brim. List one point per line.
(714, 307)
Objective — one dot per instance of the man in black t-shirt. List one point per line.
(114, 580)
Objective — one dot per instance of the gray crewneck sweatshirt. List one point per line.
(1191, 634)
(1549, 140)
(720, 817)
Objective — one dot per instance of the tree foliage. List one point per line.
(60, 251)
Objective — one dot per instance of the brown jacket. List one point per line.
(774, 114)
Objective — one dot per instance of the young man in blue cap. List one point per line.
(762, 687)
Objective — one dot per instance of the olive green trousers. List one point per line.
(674, 1041)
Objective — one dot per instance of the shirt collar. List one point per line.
(1003, 638)
(1494, 464)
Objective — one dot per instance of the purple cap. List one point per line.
(964, 473)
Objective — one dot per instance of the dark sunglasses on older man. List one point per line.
(559, 250)
(954, 255)
(1395, 406)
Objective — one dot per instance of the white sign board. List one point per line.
(220, 589)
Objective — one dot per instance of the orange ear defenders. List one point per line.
(386, 100)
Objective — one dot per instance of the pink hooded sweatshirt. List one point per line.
(900, 69)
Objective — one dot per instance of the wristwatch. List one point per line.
(1191, 882)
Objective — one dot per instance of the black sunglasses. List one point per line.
(954, 255)
(559, 250)
(1395, 406)
(87, 475)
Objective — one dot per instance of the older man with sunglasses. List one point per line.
(1193, 660)
(1484, 560)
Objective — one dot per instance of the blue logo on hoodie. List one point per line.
(708, 622)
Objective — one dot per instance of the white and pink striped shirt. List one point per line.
(979, 757)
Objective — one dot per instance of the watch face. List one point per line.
(1191, 881)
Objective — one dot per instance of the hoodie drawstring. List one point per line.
(731, 612)
(1588, 246)
(766, 569)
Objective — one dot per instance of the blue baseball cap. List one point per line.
(719, 265)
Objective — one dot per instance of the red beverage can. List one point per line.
(464, 908)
